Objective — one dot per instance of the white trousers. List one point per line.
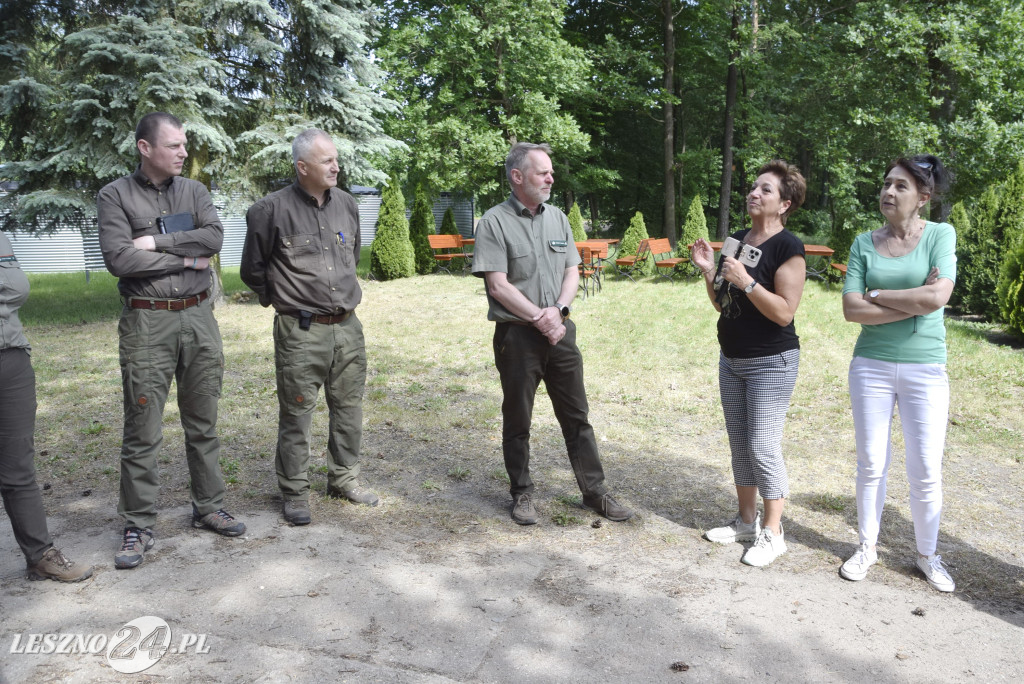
(921, 391)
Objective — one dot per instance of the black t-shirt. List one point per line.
(743, 331)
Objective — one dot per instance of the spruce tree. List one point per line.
(449, 227)
(421, 224)
(576, 223)
(636, 232)
(391, 253)
(979, 257)
(694, 227)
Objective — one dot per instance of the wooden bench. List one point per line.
(839, 267)
(446, 248)
(598, 258)
(588, 271)
(634, 265)
(661, 250)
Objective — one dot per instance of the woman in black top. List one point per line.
(757, 295)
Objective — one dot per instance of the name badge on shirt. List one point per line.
(559, 243)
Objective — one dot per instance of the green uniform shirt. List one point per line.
(300, 256)
(13, 293)
(129, 208)
(920, 339)
(533, 252)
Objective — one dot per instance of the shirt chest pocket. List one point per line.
(522, 261)
(143, 225)
(300, 252)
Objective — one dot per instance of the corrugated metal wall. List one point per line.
(76, 247)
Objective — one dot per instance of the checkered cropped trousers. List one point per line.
(755, 397)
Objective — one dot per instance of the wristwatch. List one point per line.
(562, 309)
(873, 294)
(749, 288)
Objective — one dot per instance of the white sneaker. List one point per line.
(735, 531)
(935, 572)
(856, 568)
(767, 548)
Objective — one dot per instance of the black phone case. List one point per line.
(175, 223)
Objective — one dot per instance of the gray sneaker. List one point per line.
(736, 531)
(56, 566)
(134, 545)
(608, 507)
(296, 512)
(523, 511)
(220, 522)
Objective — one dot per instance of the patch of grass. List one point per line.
(51, 302)
(501, 475)
(566, 519)
(828, 502)
(230, 467)
(430, 485)
(459, 473)
(94, 428)
(570, 500)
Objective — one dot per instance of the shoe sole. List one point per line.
(605, 515)
(200, 525)
(334, 494)
(524, 521)
(763, 565)
(733, 540)
(852, 577)
(35, 576)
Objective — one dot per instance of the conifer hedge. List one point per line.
(391, 253)
(421, 224)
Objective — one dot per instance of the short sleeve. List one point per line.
(943, 253)
(856, 268)
(489, 250)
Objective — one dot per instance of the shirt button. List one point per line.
(164, 211)
(330, 268)
(333, 289)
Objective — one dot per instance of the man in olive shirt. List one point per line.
(300, 256)
(167, 329)
(526, 255)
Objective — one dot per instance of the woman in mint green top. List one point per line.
(898, 280)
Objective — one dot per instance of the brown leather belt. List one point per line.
(167, 304)
(331, 320)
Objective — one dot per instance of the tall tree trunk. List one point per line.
(669, 127)
(730, 120)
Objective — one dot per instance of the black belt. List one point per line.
(325, 319)
(167, 304)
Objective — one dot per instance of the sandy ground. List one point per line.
(488, 601)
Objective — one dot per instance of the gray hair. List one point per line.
(303, 143)
(516, 158)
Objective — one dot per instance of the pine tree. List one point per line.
(694, 227)
(421, 224)
(576, 223)
(449, 227)
(636, 232)
(391, 253)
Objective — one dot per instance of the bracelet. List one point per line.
(710, 270)
(194, 262)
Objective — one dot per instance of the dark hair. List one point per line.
(516, 158)
(927, 171)
(792, 186)
(150, 124)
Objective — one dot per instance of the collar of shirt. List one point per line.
(310, 199)
(520, 209)
(142, 180)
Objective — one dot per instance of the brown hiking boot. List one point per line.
(56, 566)
(297, 512)
(357, 495)
(523, 510)
(220, 522)
(608, 507)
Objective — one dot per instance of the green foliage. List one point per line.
(979, 257)
(1010, 290)
(421, 224)
(966, 241)
(391, 253)
(694, 227)
(576, 223)
(636, 232)
(244, 76)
